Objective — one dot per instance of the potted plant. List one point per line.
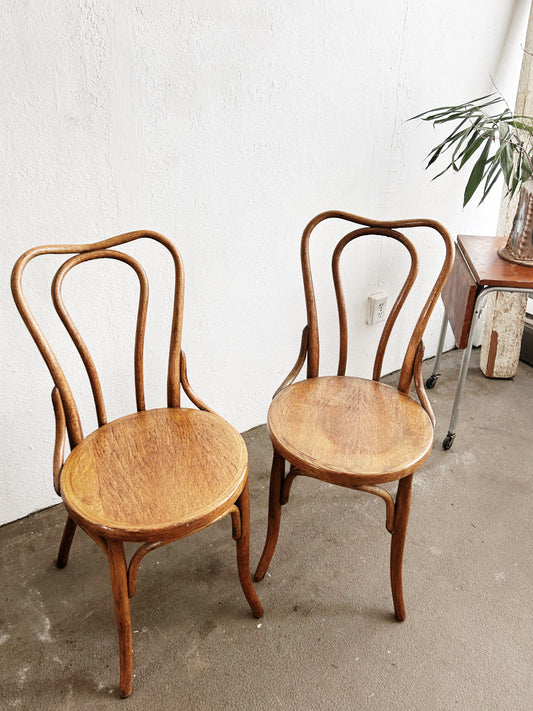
(494, 141)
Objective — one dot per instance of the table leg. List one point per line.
(432, 380)
(465, 362)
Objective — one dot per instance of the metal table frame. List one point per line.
(467, 352)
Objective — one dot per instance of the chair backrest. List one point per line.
(385, 229)
(62, 395)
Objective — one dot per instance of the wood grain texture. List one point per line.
(343, 428)
(72, 417)
(459, 298)
(349, 431)
(243, 552)
(396, 307)
(275, 502)
(504, 312)
(376, 228)
(489, 269)
(155, 474)
(399, 532)
(57, 298)
(121, 601)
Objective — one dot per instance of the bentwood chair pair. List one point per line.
(159, 475)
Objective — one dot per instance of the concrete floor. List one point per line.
(328, 639)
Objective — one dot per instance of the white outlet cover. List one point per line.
(376, 307)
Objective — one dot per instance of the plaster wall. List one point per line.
(225, 126)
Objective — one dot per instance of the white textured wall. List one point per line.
(226, 126)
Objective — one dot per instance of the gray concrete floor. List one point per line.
(328, 639)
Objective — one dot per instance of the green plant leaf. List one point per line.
(506, 161)
(479, 126)
(476, 176)
(465, 108)
(523, 171)
(521, 125)
(492, 175)
(489, 185)
(527, 169)
(472, 146)
(445, 145)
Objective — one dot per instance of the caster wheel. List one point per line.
(448, 441)
(432, 381)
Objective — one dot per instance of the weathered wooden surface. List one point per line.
(486, 268)
(505, 313)
(459, 297)
(154, 476)
(502, 337)
(348, 431)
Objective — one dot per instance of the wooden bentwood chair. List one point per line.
(151, 477)
(350, 431)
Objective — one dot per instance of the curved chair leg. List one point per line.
(66, 542)
(243, 553)
(401, 516)
(274, 514)
(119, 585)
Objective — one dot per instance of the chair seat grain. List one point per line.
(350, 429)
(166, 472)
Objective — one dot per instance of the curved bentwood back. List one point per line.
(386, 229)
(63, 399)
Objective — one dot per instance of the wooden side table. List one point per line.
(477, 272)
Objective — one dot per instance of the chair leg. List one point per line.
(274, 514)
(401, 516)
(119, 585)
(243, 553)
(66, 542)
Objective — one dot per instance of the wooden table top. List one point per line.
(488, 268)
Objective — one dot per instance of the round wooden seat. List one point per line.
(343, 428)
(155, 474)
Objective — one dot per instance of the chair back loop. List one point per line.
(385, 229)
(64, 398)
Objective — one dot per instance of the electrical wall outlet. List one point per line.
(376, 307)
